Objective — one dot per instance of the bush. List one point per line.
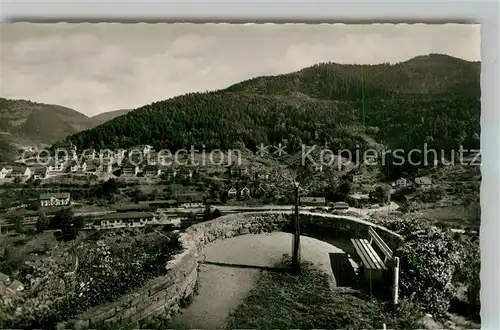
(429, 259)
(42, 223)
(105, 271)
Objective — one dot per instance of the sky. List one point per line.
(100, 67)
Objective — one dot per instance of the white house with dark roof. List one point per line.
(232, 192)
(423, 182)
(245, 192)
(55, 167)
(55, 199)
(400, 183)
(4, 171)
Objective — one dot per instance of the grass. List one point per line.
(285, 301)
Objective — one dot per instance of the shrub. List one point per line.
(429, 258)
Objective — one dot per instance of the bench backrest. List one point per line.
(386, 250)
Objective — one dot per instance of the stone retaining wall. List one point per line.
(165, 295)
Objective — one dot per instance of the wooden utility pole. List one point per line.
(296, 234)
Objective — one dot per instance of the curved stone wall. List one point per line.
(166, 294)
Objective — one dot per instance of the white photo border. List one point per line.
(485, 13)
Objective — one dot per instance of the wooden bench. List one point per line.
(374, 266)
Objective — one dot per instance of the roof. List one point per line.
(423, 180)
(39, 170)
(313, 199)
(140, 206)
(167, 201)
(19, 170)
(55, 195)
(341, 204)
(127, 215)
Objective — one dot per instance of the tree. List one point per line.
(380, 194)
(110, 188)
(207, 214)
(79, 222)
(18, 222)
(42, 223)
(62, 219)
(345, 187)
(138, 195)
(67, 223)
(216, 213)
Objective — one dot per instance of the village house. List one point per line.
(55, 167)
(312, 201)
(232, 193)
(107, 154)
(89, 154)
(357, 178)
(76, 167)
(423, 183)
(91, 168)
(169, 172)
(318, 167)
(260, 191)
(39, 173)
(5, 171)
(21, 172)
(152, 158)
(400, 183)
(104, 168)
(164, 158)
(196, 201)
(129, 170)
(236, 170)
(120, 220)
(190, 201)
(245, 192)
(340, 206)
(54, 199)
(151, 171)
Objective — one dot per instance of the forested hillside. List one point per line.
(37, 122)
(433, 99)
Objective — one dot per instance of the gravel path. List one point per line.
(223, 287)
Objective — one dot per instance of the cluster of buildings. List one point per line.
(141, 161)
(422, 183)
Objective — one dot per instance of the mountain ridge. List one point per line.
(318, 104)
(34, 123)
